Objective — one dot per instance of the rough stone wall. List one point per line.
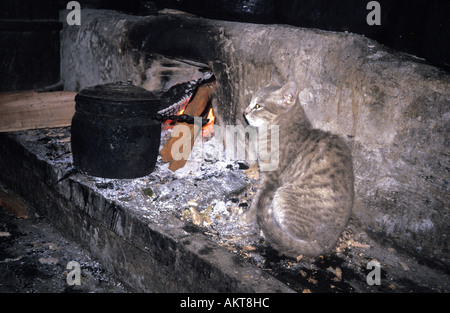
(93, 54)
(392, 108)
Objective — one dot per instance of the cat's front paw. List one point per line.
(247, 219)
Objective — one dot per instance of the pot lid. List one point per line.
(118, 92)
(117, 98)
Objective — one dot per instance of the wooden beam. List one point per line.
(13, 204)
(30, 110)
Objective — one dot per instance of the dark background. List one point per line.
(419, 27)
(29, 29)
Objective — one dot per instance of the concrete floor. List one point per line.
(34, 258)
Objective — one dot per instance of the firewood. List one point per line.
(31, 110)
(195, 108)
(13, 204)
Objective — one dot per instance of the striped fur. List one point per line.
(302, 206)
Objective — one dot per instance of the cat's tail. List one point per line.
(287, 244)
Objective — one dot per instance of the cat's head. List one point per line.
(271, 102)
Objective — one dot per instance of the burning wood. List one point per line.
(197, 108)
(13, 204)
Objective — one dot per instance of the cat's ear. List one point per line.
(275, 78)
(289, 93)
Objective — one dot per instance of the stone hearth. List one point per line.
(142, 242)
(392, 108)
(177, 231)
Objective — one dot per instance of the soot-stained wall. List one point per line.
(392, 108)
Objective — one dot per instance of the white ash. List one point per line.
(212, 192)
(208, 185)
(209, 191)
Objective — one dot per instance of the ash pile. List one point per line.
(208, 193)
(211, 192)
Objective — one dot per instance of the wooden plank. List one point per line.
(13, 204)
(194, 108)
(30, 110)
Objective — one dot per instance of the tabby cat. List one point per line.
(303, 205)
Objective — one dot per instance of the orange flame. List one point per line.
(167, 124)
(208, 129)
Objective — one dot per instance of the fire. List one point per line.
(199, 105)
(169, 124)
(208, 129)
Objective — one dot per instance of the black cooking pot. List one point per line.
(115, 133)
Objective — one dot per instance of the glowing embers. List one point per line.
(207, 116)
(208, 129)
(201, 107)
(178, 147)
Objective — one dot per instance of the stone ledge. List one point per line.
(150, 256)
(392, 108)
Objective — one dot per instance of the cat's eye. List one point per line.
(257, 106)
